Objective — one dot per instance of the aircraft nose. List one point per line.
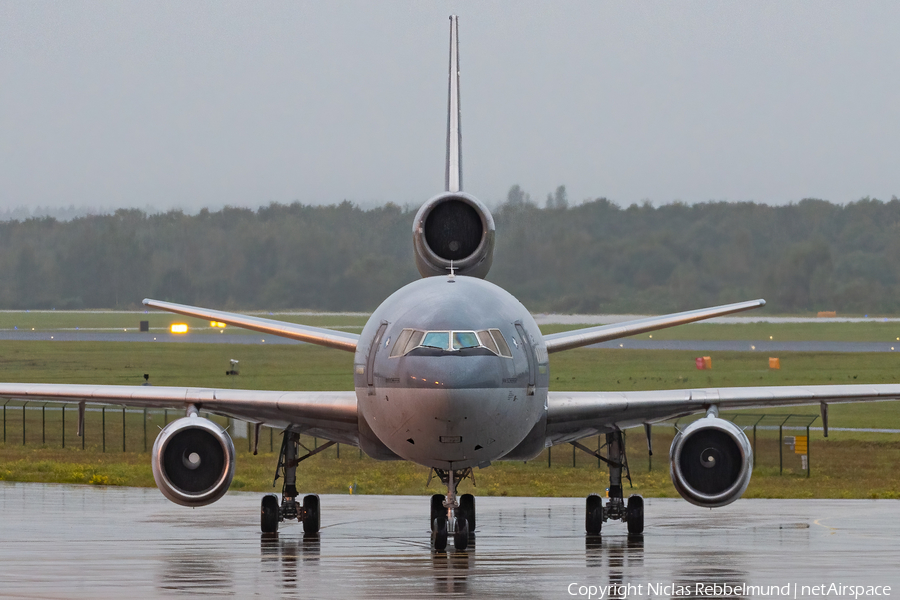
(451, 372)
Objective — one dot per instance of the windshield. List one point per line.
(451, 341)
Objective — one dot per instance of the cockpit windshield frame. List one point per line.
(450, 340)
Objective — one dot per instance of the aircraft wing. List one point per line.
(574, 415)
(341, 340)
(331, 415)
(577, 338)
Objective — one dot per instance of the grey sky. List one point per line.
(189, 104)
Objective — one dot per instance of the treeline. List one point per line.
(594, 257)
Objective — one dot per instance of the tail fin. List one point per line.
(453, 178)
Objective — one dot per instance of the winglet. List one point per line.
(453, 179)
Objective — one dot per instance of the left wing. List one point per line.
(575, 415)
(341, 340)
(330, 415)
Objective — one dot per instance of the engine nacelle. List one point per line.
(711, 462)
(453, 226)
(193, 461)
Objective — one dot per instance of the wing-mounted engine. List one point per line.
(711, 462)
(193, 461)
(457, 227)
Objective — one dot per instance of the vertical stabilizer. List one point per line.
(453, 180)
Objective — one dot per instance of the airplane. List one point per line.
(451, 372)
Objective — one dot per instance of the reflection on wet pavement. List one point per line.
(93, 542)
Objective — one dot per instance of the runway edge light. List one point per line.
(179, 328)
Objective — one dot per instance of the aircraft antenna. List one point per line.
(453, 178)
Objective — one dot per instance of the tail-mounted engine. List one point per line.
(711, 462)
(456, 227)
(193, 461)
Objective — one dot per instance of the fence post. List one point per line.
(145, 430)
(83, 427)
(548, 457)
(43, 424)
(780, 450)
(271, 443)
(338, 450)
(123, 429)
(808, 444)
(573, 456)
(754, 444)
(23, 422)
(103, 431)
(63, 426)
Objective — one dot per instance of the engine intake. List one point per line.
(453, 227)
(193, 461)
(711, 462)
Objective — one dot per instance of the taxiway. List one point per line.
(59, 541)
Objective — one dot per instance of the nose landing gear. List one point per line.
(616, 508)
(452, 517)
(307, 512)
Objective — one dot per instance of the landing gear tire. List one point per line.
(268, 521)
(437, 507)
(311, 519)
(439, 533)
(635, 515)
(467, 510)
(461, 535)
(593, 516)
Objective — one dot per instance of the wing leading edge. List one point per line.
(567, 340)
(574, 415)
(341, 340)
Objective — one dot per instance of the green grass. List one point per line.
(869, 331)
(157, 321)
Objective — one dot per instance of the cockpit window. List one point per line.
(410, 339)
(488, 341)
(465, 339)
(502, 346)
(436, 339)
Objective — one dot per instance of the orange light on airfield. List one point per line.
(218, 324)
(179, 328)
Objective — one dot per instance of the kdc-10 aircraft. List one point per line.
(451, 372)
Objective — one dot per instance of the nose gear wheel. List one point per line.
(449, 516)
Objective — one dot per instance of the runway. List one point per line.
(761, 346)
(60, 541)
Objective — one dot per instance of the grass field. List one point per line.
(845, 465)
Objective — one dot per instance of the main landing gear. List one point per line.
(306, 512)
(616, 508)
(450, 517)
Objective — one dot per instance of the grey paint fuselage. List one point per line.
(451, 409)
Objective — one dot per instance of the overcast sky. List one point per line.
(191, 104)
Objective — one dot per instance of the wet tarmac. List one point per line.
(61, 541)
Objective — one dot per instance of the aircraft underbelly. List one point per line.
(451, 428)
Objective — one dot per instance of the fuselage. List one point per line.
(451, 372)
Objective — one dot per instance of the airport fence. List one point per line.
(121, 429)
(110, 428)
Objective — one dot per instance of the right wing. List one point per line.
(329, 415)
(314, 335)
(575, 415)
(567, 340)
